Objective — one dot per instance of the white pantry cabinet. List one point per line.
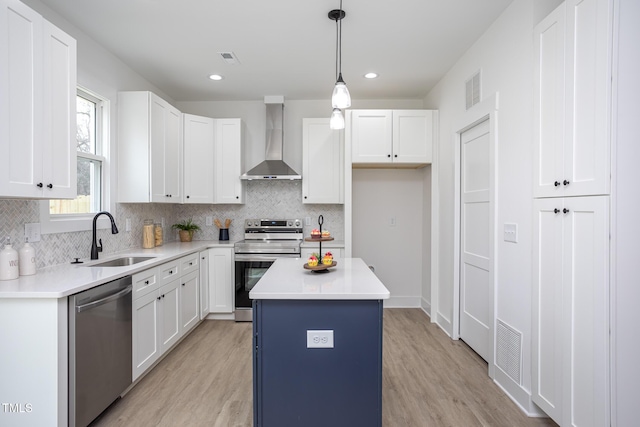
(228, 163)
(570, 316)
(198, 159)
(204, 284)
(221, 280)
(571, 104)
(392, 138)
(149, 149)
(322, 163)
(37, 106)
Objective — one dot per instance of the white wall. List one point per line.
(626, 227)
(504, 54)
(395, 251)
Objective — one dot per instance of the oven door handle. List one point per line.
(257, 257)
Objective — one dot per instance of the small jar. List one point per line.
(148, 238)
(158, 233)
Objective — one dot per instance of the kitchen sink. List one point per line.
(122, 262)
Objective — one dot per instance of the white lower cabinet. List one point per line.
(189, 301)
(166, 305)
(204, 284)
(221, 289)
(570, 316)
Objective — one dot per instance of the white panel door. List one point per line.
(204, 284)
(173, 154)
(229, 189)
(322, 163)
(549, 39)
(547, 306)
(586, 314)
(170, 330)
(476, 288)
(221, 290)
(157, 127)
(189, 300)
(198, 159)
(146, 334)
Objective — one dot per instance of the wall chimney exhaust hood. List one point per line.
(273, 167)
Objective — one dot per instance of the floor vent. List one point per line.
(509, 354)
(472, 90)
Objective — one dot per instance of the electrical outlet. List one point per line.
(320, 339)
(32, 232)
(307, 220)
(511, 233)
(127, 225)
(209, 220)
(392, 221)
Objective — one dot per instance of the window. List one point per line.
(92, 172)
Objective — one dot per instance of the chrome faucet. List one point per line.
(114, 230)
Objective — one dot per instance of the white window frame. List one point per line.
(65, 223)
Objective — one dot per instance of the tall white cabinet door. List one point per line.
(371, 135)
(588, 91)
(158, 117)
(198, 159)
(21, 45)
(549, 39)
(204, 284)
(586, 302)
(229, 189)
(173, 155)
(322, 163)
(412, 136)
(221, 284)
(547, 318)
(59, 138)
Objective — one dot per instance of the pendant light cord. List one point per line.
(340, 38)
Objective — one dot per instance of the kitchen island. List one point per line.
(318, 345)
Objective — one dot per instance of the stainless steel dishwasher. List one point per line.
(100, 361)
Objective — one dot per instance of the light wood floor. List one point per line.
(428, 380)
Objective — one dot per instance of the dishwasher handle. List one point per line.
(104, 300)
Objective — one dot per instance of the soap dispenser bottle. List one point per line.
(27, 255)
(9, 262)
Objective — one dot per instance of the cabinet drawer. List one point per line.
(189, 263)
(145, 282)
(169, 271)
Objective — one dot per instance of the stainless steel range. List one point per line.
(265, 240)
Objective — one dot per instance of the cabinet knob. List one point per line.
(183, 284)
(188, 197)
(395, 155)
(388, 155)
(237, 197)
(565, 210)
(565, 182)
(556, 183)
(556, 210)
(162, 295)
(158, 298)
(146, 282)
(39, 185)
(50, 186)
(305, 197)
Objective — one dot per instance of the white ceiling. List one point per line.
(285, 47)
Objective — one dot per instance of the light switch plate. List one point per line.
(320, 339)
(32, 232)
(209, 220)
(511, 233)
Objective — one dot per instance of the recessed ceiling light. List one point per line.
(370, 76)
(215, 77)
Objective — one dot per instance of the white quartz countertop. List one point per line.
(350, 279)
(63, 280)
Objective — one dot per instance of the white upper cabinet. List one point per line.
(37, 106)
(228, 165)
(149, 149)
(198, 159)
(572, 108)
(322, 163)
(396, 138)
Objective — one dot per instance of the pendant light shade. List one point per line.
(337, 119)
(341, 97)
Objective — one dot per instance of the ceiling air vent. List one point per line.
(229, 58)
(472, 92)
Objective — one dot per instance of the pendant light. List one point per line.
(337, 119)
(341, 97)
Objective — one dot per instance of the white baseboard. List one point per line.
(517, 394)
(445, 324)
(220, 316)
(402, 302)
(426, 306)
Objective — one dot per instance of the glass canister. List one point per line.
(158, 233)
(148, 238)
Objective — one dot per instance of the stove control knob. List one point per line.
(255, 224)
(289, 223)
(297, 223)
